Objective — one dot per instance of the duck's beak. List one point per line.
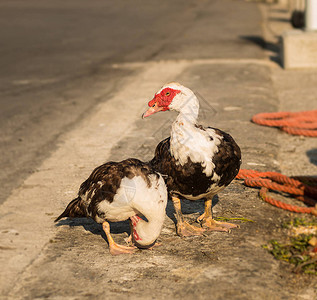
(152, 110)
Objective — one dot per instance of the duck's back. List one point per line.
(109, 190)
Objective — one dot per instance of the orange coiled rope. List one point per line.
(296, 123)
(302, 188)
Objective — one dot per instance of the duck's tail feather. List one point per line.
(75, 209)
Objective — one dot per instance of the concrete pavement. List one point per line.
(40, 260)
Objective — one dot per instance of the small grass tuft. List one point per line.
(231, 219)
(296, 222)
(300, 250)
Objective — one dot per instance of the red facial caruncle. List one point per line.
(164, 98)
(161, 101)
(135, 220)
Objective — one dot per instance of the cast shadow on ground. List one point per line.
(259, 41)
(188, 207)
(285, 20)
(95, 228)
(312, 155)
(279, 10)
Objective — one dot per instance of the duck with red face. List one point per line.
(199, 161)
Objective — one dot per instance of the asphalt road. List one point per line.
(54, 52)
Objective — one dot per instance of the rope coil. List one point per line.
(295, 186)
(295, 123)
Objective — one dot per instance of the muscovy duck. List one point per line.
(199, 161)
(117, 191)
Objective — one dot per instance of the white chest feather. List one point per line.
(200, 146)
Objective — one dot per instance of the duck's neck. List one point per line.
(183, 131)
(188, 113)
(148, 231)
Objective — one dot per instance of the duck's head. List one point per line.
(172, 96)
(141, 236)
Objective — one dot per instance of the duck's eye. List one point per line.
(167, 93)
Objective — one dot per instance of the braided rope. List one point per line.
(297, 123)
(278, 182)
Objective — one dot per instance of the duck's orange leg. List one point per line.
(116, 249)
(209, 223)
(183, 227)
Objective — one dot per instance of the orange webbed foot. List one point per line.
(212, 225)
(116, 249)
(185, 229)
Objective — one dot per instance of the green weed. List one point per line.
(297, 252)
